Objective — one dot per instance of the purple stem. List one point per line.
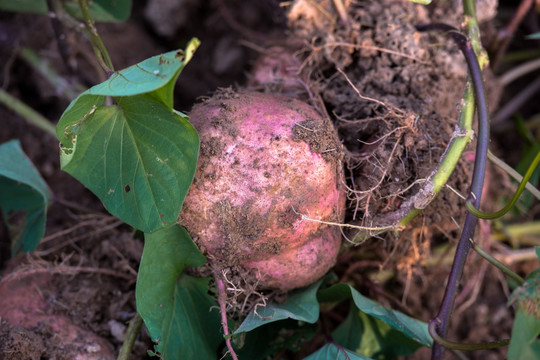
(442, 320)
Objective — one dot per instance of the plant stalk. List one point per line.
(468, 347)
(514, 174)
(442, 321)
(436, 181)
(27, 113)
(497, 214)
(131, 335)
(499, 265)
(100, 50)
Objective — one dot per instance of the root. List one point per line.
(222, 299)
(367, 228)
(241, 296)
(395, 111)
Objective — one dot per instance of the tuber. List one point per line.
(266, 185)
(277, 69)
(25, 303)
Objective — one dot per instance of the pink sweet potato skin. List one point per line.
(277, 69)
(301, 265)
(255, 179)
(23, 303)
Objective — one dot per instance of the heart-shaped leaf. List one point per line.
(137, 155)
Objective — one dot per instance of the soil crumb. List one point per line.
(321, 138)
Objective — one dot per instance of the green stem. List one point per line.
(499, 265)
(461, 138)
(515, 198)
(131, 334)
(60, 83)
(513, 173)
(99, 47)
(459, 346)
(26, 112)
(473, 32)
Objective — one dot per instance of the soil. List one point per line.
(392, 93)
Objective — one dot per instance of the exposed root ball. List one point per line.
(267, 164)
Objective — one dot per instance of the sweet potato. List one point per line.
(267, 164)
(24, 305)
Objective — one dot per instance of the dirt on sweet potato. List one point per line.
(261, 168)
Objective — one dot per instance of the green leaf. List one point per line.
(176, 307)
(25, 6)
(332, 352)
(373, 338)
(523, 343)
(155, 75)
(100, 10)
(24, 197)
(412, 328)
(137, 155)
(526, 328)
(301, 305)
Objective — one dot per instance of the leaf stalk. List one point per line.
(131, 334)
(499, 265)
(467, 347)
(26, 112)
(442, 321)
(497, 214)
(100, 50)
